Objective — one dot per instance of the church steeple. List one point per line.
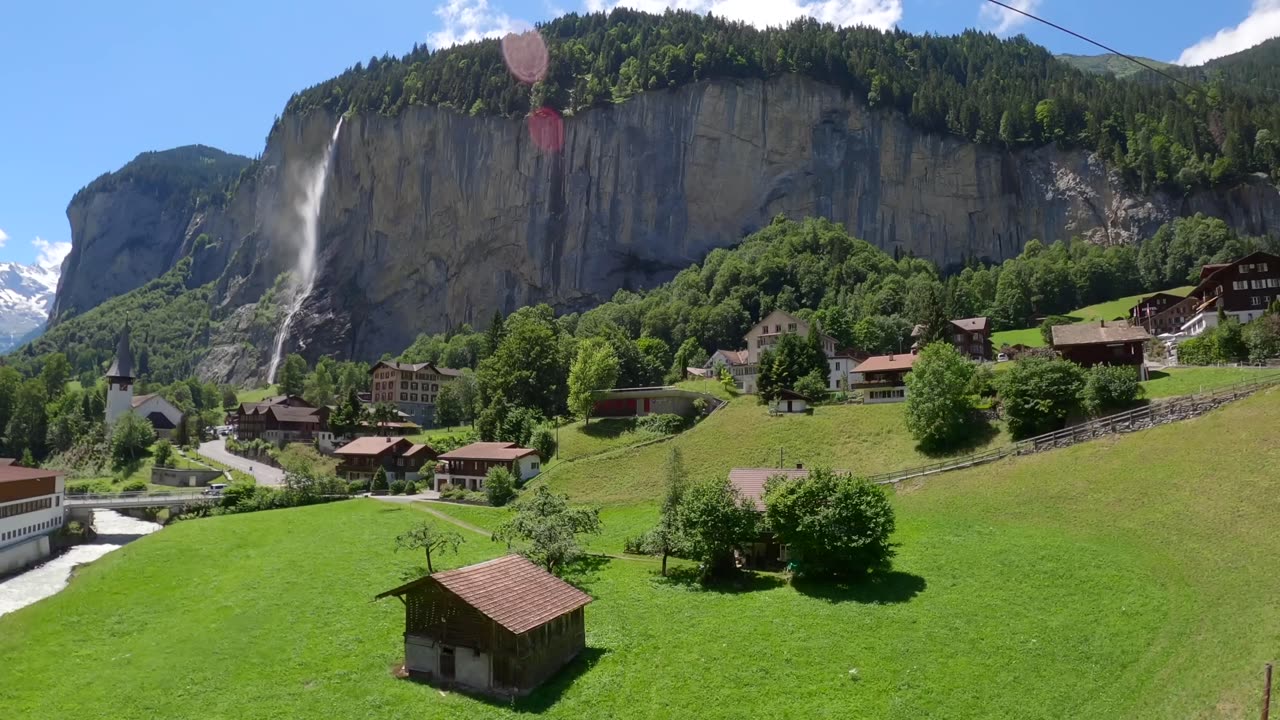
(122, 367)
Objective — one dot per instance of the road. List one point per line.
(264, 474)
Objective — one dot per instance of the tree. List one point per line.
(430, 539)
(655, 357)
(790, 359)
(594, 368)
(1013, 308)
(378, 485)
(499, 486)
(716, 520)
(382, 415)
(55, 374)
(544, 441)
(448, 406)
(812, 386)
(130, 438)
(468, 394)
(690, 354)
(28, 423)
(495, 334)
(1108, 387)
(938, 411)
(163, 454)
(1047, 325)
(529, 367)
(1037, 394)
(834, 525)
(293, 375)
(319, 387)
(546, 528)
(349, 416)
(229, 399)
(667, 537)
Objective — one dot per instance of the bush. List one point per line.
(833, 525)
(499, 486)
(1108, 388)
(89, 487)
(664, 424)
(379, 485)
(636, 545)
(355, 487)
(1038, 394)
(812, 386)
(983, 382)
(130, 438)
(715, 521)
(397, 487)
(544, 441)
(1046, 327)
(163, 454)
(237, 493)
(134, 485)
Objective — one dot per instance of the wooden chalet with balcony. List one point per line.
(468, 465)
(401, 458)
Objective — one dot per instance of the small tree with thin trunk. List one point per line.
(667, 537)
(430, 539)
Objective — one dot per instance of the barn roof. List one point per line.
(1097, 333)
(509, 590)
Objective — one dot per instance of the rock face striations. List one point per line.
(434, 218)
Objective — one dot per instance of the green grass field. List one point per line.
(1143, 587)
(256, 394)
(1110, 310)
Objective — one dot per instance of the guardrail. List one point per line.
(1158, 412)
(161, 498)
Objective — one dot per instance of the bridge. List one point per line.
(139, 499)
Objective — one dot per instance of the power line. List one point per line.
(1091, 41)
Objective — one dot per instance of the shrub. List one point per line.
(499, 486)
(544, 441)
(89, 487)
(812, 386)
(1108, 387)
(163, 454)
(833, 525)
(355, 487)
(134, 485)
(636, 545)
(938, 410)
(379, 485)
(1038, 394)
(1046, 327)
(663, 424)
(130, 438)
(983, 382)
(397, 487)
(236, 493)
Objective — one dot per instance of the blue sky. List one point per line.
(85, 86)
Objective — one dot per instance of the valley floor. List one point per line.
(1132, 577)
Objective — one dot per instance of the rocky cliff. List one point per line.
(435, 218)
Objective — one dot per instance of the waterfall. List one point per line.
(304, 275)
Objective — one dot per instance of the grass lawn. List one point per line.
(1025, 589)
(1192, 380)
(256, 394)
(866, 439)
(1110, 310)
(710, 387)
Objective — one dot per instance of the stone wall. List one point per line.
(185, 478)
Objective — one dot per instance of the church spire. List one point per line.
(122, 367)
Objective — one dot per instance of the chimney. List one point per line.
(890, 357)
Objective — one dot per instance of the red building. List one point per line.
(1102, 343)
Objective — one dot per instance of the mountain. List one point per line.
(1109, 63)
(454, 190)
(130, 226)
(26, 294)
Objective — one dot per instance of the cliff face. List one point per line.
(435, 218)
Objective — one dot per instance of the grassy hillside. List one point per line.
(1136, 589)
(1110, 310)
(1108, 63)
(863, 438)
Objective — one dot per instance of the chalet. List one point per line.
(1102, 343)
(1242, 290)
(411, 387)
(766, 551)
(971, 336)
(468, 465)
(637, 402)
(500, 627)
(401, 458)
(287, 418)
(31, 510)
(882, 378)
(790, 401)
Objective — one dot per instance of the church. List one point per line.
(161, 413)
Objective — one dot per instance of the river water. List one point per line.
(40, 582)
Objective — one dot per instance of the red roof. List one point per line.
(750, 481)
(17, 473)
(488, 451)
(885, 363)
(510, 590)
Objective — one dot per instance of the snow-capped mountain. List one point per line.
(26, 294)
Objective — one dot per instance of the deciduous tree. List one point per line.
(594, 368)
(716, 520)
(430, 539)
(834, 525)
(545, 528)
(938, 411)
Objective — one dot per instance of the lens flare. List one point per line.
(526, 56)
(546, 129)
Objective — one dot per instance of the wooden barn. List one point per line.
(501, 627)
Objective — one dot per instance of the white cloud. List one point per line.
(1002, 21)
(4, 237)
(470, 20)
(882, 14)
(50, 254)
(1262, 23)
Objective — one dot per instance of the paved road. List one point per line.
(264, 474)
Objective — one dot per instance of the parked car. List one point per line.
(215, 489)
(1002, 358)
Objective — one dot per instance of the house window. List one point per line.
(404, 385)
(1262, 267)
(791, 327)
(777, 328)
(404, 396)
(1255, 301)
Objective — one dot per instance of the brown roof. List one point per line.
(4, 462)
(786, 394)
(286, 413)
(735, 357)
(750, 481)
(510, 590)
(416, 448)
(973, 324)
(488, 451)
(16, 473)
(1097, 333)
(373, 446)
(415, 367)
(883, 363)
(1208, 271)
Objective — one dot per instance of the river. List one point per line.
(114, 530)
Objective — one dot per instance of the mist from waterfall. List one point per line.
(304, 273)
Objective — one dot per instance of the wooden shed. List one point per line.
(501, 627)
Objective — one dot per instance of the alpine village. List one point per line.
(668, 366)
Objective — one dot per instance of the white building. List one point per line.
(744, 364)
(31, 509)
(161, 413)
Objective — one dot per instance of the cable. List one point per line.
(1113, 51)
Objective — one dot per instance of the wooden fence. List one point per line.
(1156, 413)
